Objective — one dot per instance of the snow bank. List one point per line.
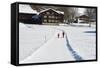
(82, 24)
(32, 37)
(63, 24)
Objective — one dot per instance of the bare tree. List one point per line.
(73, 13)
(66, 12)
(90, 13)
(69, 13)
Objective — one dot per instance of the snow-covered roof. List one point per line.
(59, 12)
(83, 16)
(24, 8)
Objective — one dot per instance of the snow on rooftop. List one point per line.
(23, 8)
(60, 12)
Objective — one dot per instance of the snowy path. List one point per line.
(54, 50)
(78, 44)
(82, 40)
(73, 52)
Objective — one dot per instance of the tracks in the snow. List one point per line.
(72, 51)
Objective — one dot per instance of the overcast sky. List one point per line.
(81, 11)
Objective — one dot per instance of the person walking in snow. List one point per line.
(63, 34)
(58, 35)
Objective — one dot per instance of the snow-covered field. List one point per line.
(39, 43)
(32, 37)
(82, 40)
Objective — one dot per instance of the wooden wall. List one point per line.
(51, 17)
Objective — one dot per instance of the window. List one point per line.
(53, 21)
(56, 20)
(45, 16)
(56, 17)
(45, 20)
(50, 16)
(50, 20)
(48, 12)
(52, 13)
(53, 17)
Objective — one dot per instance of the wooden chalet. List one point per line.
(83, 19)
(52, 16)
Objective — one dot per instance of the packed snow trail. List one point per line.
(76, 56)
(54, 50)
(82, 40)
(74, 53)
